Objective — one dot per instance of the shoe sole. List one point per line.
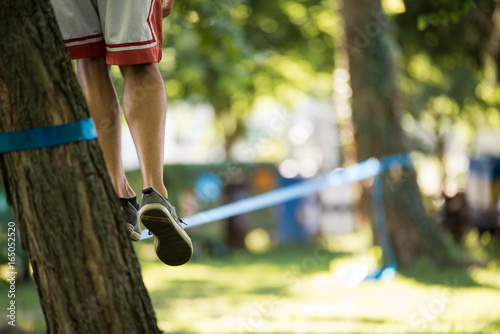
(133, 234)
(172, 244)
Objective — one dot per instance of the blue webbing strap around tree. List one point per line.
(49, 136)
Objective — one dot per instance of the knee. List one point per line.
(91, 64)
(140, 71)
(135, 68)
(92, 73)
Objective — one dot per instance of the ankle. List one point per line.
(126, 194)
(124, 191)
(159, 188)
(163, 191)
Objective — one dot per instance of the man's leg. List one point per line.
(144, 105)
(93, 75)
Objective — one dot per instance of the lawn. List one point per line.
(305, 289)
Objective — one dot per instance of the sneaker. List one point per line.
(172, 244)
(131, 217)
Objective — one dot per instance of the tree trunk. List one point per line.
(84, 265)
(375, 110)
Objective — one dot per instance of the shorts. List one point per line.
(126, 31)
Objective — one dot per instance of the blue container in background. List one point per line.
(290, 227)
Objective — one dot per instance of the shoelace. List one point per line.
(175, 213)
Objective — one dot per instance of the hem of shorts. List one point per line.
(87, 50)
(132, 57)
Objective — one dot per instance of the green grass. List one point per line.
(302, 289)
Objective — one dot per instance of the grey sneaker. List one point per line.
(172, 244)
(131, 217)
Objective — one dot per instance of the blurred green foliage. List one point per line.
(232, 52)
(229, 53)
(442, 12)
(449, 73)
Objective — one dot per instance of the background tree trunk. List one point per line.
(375, 110)
(84, 265)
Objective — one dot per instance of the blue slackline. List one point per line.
(351, 174)
(49, 136)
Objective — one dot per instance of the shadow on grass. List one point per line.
(243, 274)
(426, 272)
(494, 324)
(208, 289)
(192, 288)
(311, 257)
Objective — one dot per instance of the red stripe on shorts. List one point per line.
(79, 39)
(151, 41)
(129, 57)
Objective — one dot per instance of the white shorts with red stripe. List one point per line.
(126, 31)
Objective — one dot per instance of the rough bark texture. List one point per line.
(375, 111)
(84, 265)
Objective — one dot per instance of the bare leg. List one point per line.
(93, 75)
(145, 105)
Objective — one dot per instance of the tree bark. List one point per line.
(376, 108)
(84, 265)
